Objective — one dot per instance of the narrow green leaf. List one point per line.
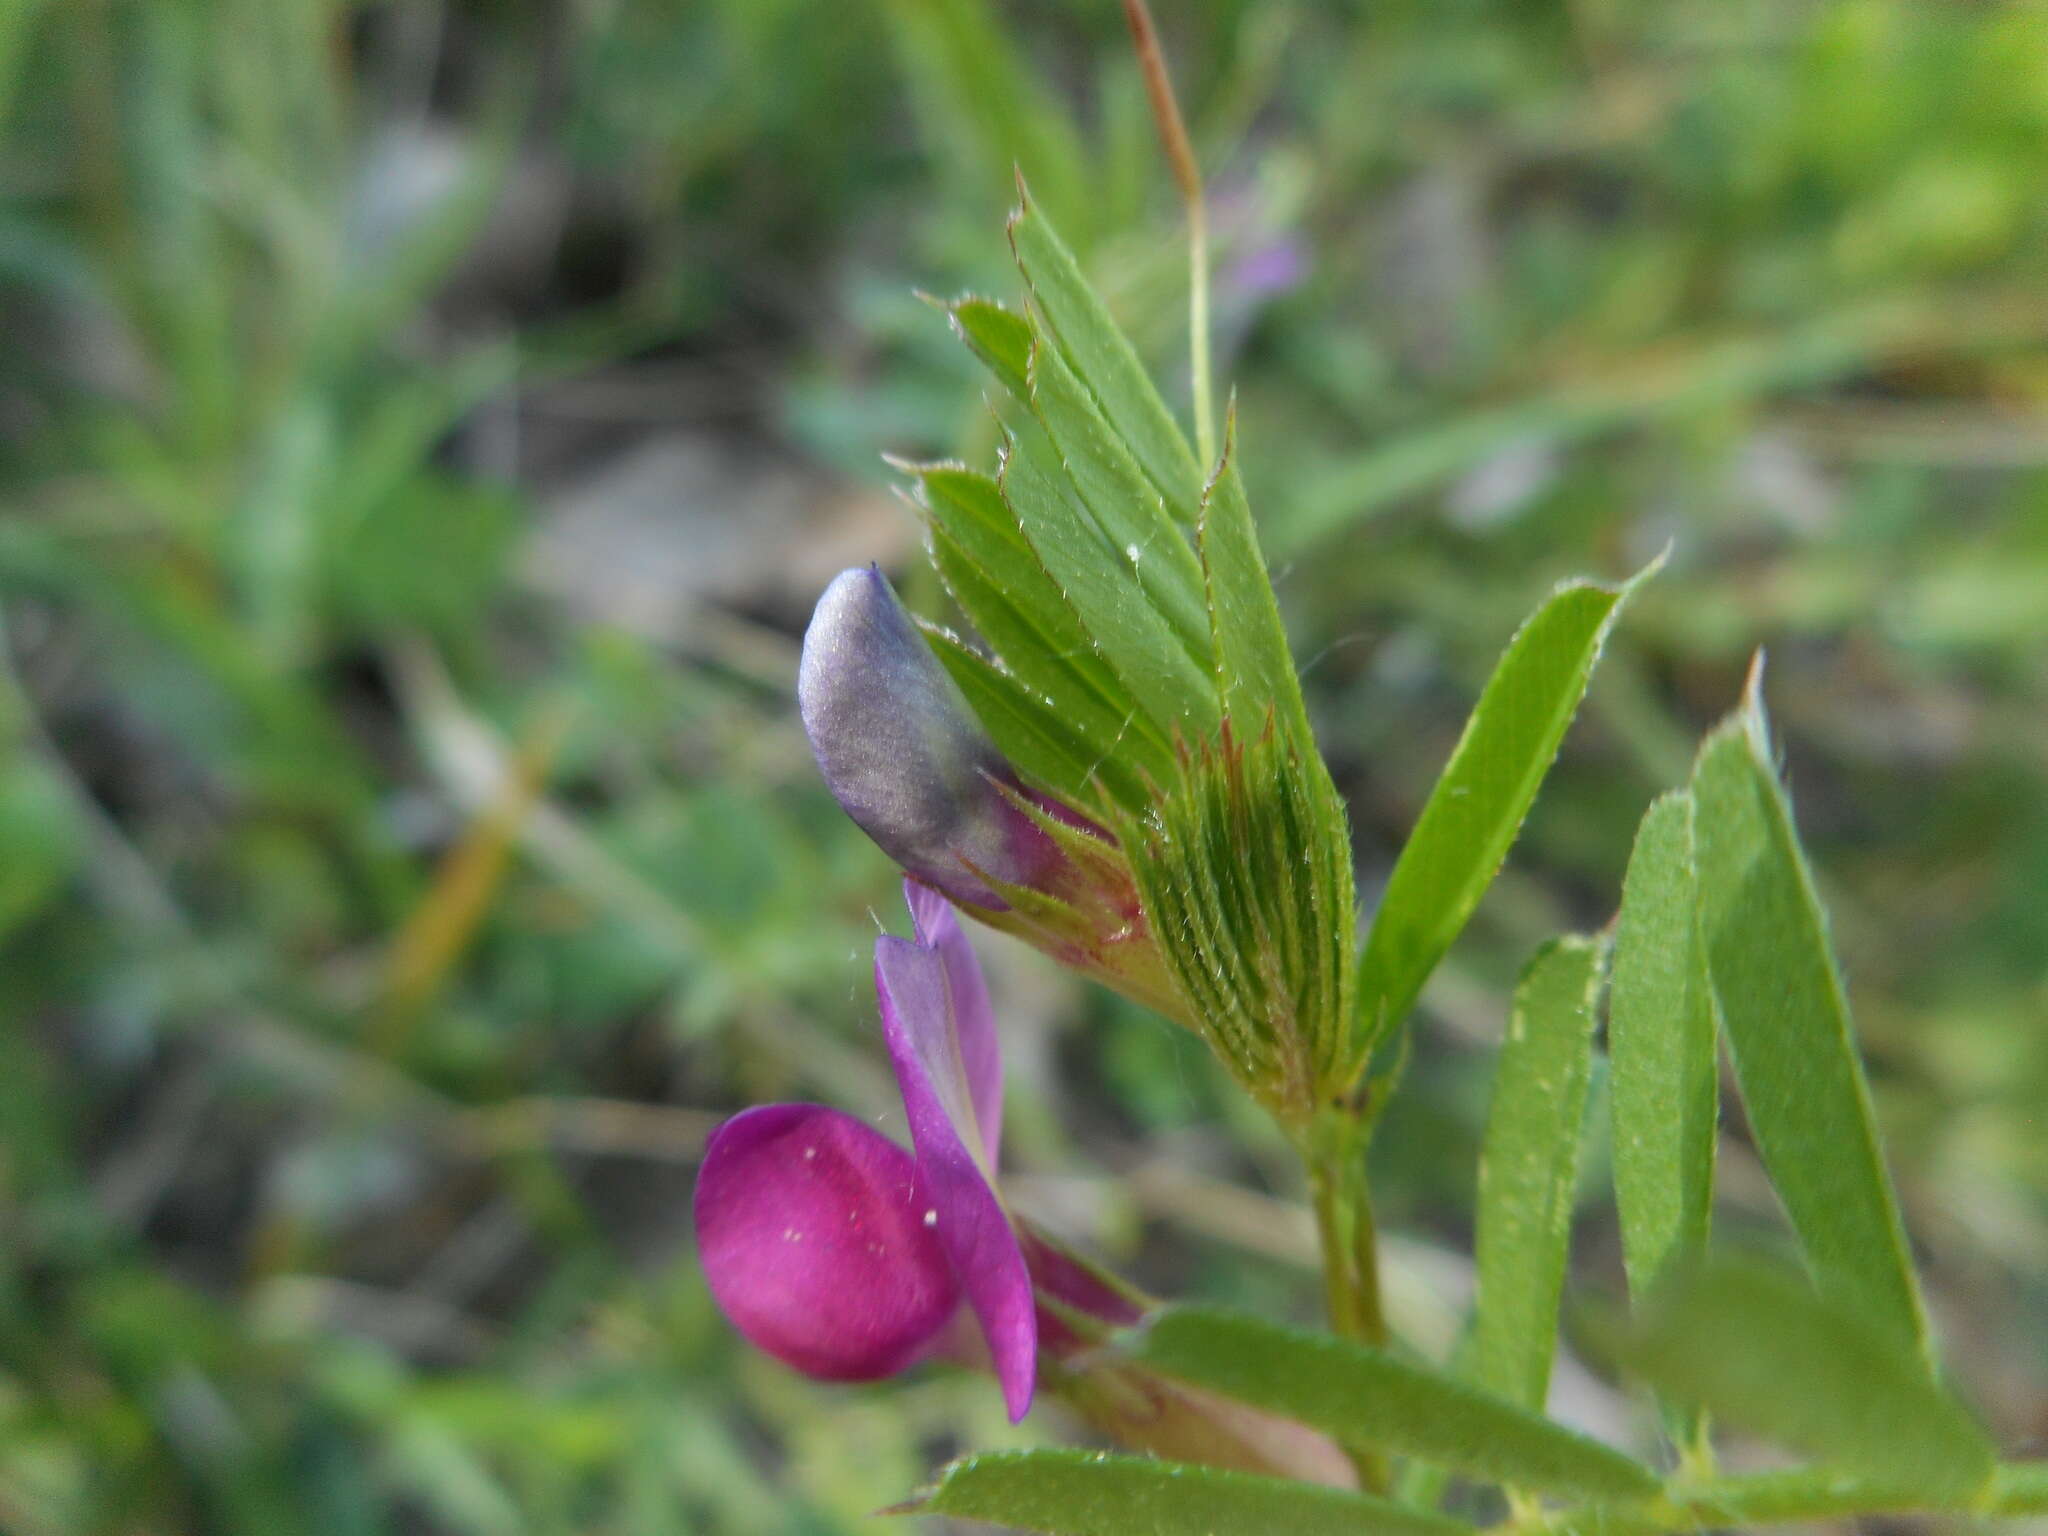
(1254, 671)
(996, 577)
(1660, 1039)
(2020, 1488)
(1762, 1349)
(1030, 737)
(1479, 802)
(984, 108)
(1125, 505)
(1138, 644)
(1788, 1029)
(1529, 1169)
(1666, 385)
(1000, 337)
(1084, 1493)
(1811, 1497)
(1369, 1397)
(1104, 361)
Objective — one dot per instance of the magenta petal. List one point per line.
(812, 1234)
(974, 1019)
(919, 1022)
(901, 750)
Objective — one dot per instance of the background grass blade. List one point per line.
(1670, 384)
(1762, 1349)
(1366, 1396)
(1660, 1039)
(1082, 1493)
(1482, 796)
(1788, 1028)
(1529, 1168)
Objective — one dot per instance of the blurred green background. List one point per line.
(423, 428)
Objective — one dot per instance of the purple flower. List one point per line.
(811, 1233)
(903, 753)
(1279, 266)
(839, 1253)
(843, 1255)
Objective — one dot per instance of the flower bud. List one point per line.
(903, 753)
(811, 1231)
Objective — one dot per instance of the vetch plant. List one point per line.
(1113, 762)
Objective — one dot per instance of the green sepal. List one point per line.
(1253, 912)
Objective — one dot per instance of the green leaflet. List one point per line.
(1028, 735)
(1788, 1029)
(1139, 644)
(1367, 1396)
(1482, 796)
(1000, 337)
(1529, 1169)
(1089, 1493)
(1104, 360)
(1660, 1039)
(1254, 671)
(1123, 504)
(1075, 564)
(1762, 1349)
(996, 577)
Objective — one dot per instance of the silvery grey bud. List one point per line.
(901, 750)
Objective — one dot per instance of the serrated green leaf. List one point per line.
(1124, 505)
(1130, 635)
(1083, 1493)
(1029, 736)
(1366, 1396)
(1529, 1169)
(1000, 337)
(1660, 1039)
(995, 576)
(1254, 671)
(1482, 796)
(1104, 361)
(1763, 1350)
(1788, 1029)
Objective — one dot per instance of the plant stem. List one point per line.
(2020, 1488)
(1198, 332)
(1187, 174)
(1333, 1151)
(1335, 1155)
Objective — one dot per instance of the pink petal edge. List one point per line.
(974, 1018)
(919, 1024)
